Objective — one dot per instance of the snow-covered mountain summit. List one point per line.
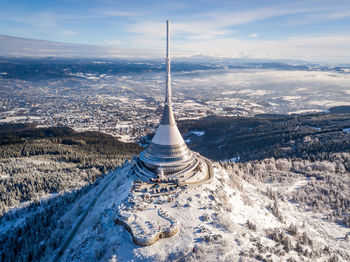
(239, 216)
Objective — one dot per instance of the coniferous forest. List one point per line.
(47, 172)
(39, 161)
(313, 136)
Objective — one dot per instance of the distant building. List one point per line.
(167, 156)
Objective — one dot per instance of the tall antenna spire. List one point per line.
(168, 116)
(168, 77)
(167, 154)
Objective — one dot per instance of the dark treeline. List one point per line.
(40, 69)
(27, 140)
(20, 133)
(38, 161)
(307, 136)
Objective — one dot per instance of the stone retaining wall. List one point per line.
(148, 240)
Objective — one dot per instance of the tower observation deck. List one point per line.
(167, 155)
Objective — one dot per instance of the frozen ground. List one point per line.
(229, 219)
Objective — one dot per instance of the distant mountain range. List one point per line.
(12, 46)
(47, 67)
(26, 47)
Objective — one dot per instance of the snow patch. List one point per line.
(346, 130)
(197, 133)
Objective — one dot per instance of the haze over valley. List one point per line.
(123, 97)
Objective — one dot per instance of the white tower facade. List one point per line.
(167, 154)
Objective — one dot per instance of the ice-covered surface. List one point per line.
(197, 133)
(100, 218)
(346, 130)
(233, 159)
(212, 226)
(314, 127)
(307, 111)
(125, 138)
(194, 132)
(291, 98)
(11, 119)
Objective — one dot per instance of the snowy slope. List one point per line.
(226, 220)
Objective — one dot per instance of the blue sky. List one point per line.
(314, 30)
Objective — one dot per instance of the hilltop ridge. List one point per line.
(236, 216)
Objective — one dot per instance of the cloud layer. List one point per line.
(302, 29)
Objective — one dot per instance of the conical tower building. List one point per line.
(167, 155)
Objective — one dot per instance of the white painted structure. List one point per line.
(167, 150)
(168, 135)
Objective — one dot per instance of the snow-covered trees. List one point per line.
(38, 167)
(40, 227)
(326, 186)
(35, 177)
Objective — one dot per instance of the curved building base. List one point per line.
(197, 170)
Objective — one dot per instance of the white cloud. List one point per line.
(40, 19)
(210, 25)
(120, 13)
(68, 32)
(113, 42)
(210, 32)
(317, 17)
(213, 34)
(322, 48)
(150, 29)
